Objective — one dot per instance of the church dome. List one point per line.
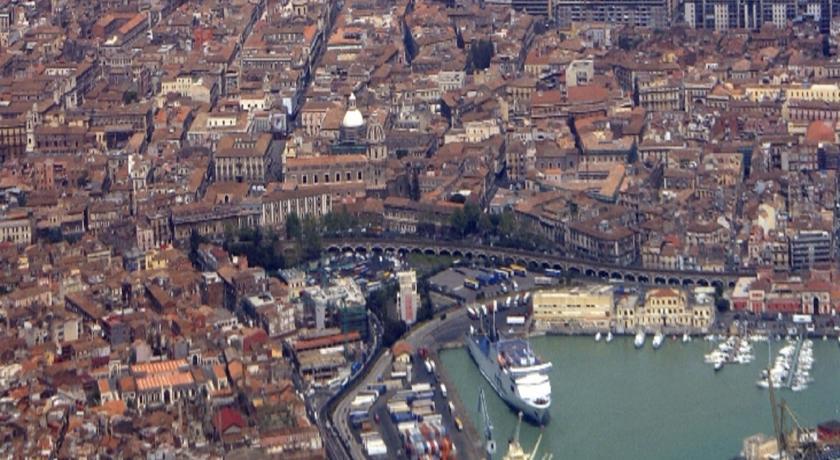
(818, 132)
(353, 117)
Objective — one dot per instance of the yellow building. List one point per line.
(668, 309)
(587, 308)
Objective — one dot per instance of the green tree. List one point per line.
(507, 224)
(195, 241)
(472, 214)
(481, 53)
(130, 97)
(633, 156)
(485, 225)
(293, 228)
(310, 240)
(721, 303)
(626, 43)
(427, 310)
(414, 190)
(458, 222)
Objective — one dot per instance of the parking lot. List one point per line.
(451, 282)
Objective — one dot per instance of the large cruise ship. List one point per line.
(515, 372)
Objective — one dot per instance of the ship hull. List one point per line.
(501, 384)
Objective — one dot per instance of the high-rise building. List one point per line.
(408, 300)
(642, 13)
(534, 7)
(752, 14)
(809, 248)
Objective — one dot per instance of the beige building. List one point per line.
(667, 309)
(588, 307)
(279, 204)
(196, 88)
(338, 174)
(16, 229)
(244, 158)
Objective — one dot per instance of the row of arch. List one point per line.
(533, 263)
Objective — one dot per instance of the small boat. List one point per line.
(658, 340)
(718, 365)
(686, 338)
(609, 337)
(598, 337)
(639, 341)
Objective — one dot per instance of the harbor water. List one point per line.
(610, 400)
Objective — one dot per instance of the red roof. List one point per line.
(226, 418)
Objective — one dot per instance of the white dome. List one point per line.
(353, 119)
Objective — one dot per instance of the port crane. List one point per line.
(488, 424)
(793, 444)
(515, 450)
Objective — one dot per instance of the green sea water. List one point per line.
(612, 401)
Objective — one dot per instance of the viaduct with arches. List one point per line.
(537, 261)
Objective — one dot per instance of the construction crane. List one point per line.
(488, 425)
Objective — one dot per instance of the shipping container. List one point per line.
(398, 406)
(375, 446)
(402, 417)
(423, 386)
(361, 407)
(543, 280)
(501, 274)
(361, 399)
(406, 426)
(423, 395)
(485, 279)
(423, 403)
(515, 320)
(422, 411)
(554, 272)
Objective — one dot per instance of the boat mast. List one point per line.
(495, 334)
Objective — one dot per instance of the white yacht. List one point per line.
(609, 337)
(598, 337)
(658, 340)
(639, 341)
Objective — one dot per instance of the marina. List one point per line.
(632, 393)
(733, 350)
(792, 368)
